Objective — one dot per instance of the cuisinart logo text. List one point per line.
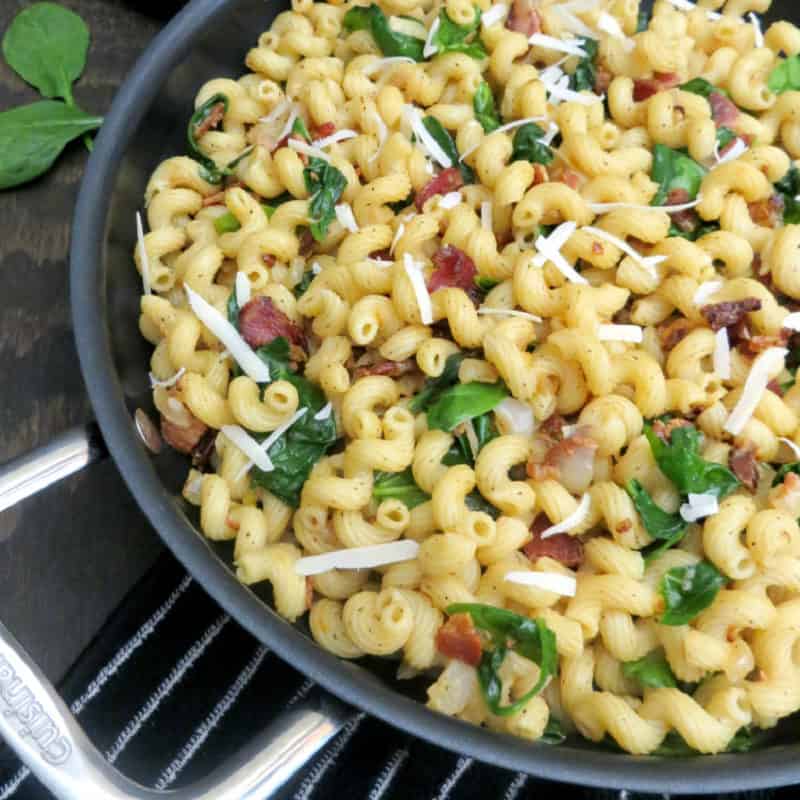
(16, 702)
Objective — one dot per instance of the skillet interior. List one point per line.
(146, 124)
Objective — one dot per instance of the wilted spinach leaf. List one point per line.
(527, 145)
(446, 142)
(652, 671)
(390, 42)
(485, 109)
(453, 38)
(399, 486)
(325, 183)
(689, 590)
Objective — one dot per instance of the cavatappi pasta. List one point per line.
(477, 322)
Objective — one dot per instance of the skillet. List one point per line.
(147, 123)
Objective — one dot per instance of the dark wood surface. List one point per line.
(68, 556)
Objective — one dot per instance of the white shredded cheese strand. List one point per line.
(769, 363)
(144, 261)
(308, 150)
(705, 291)
(340, 136)
(561, 92)
(472, 438)
(344, 215)
(758, 36)
(381, 262)
(610, 25)
(791, 445)
(573, 24)
(648, 262)
(732, 153)
(620, 333)
(510, 312)
(430, 48)
(553, 73)
(486, 215)
(324, 412)
(277, 112)
(571, 521)
(382, 63)
(493, 15)
(165, 384)
(397, 235)
(685, 5)
(270, 440)
(549, 249)
(414, 272)
(249, 446)
(792, 321)
(376, 555)
(450, 200)
(507, 127)
(424, 138)
(515, 417)
(242, 288)
(552, 132)
(722, 354)
(551, 43)
(602, 208)
(554, 582)
(250, 363)
(699, 506)
(289, 124)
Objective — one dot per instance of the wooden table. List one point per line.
(68, 556)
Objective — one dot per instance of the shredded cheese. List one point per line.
(602, 208)
(560, 91)
(308, 150)
(493, 15)
(376, 555)
(551, 43)
(509, 312)
(554, 582)
(620, 333)
(572, 23)
(165, 384)
(699, 506)
(249, 446)
(430, 48)
(472, 438)
(450, 200)
(722, 354)
(316, 268)
(758, 36)
(791, 445)
(792, 321)
(553, 73)
(685, 5)
(414, 272)
(324, 412)
(250, 363)
(732, 153)
(549, 249)
(424, 138)
(344, 215)
(277, 112)
(144, 261)
(339, 136)
(397, 235)
(609, 25)
(648, 262)
(514, 416)
(486, 215)
(270, 440)
(577, 517)
(705, 291)
(242, 288)
(381, 262)
(552, 131)
(768, 364)
(382, 63)
(289, 124)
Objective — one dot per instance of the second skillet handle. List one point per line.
(39, 727)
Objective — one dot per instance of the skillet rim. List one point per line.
(775, 766)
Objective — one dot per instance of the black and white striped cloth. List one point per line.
(172, 686)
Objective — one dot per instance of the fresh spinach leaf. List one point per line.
(789, 187)
(527, 145)
(434, 387)
(461, 451)
(553, 732)
(643, 18)
(585, 75)
(399, 486)
(652, 671)
(446, 142)
(784, 471)
(689, 590)
(674, 170)
(211, 108)
(390, 42)
(724, 137)
(666, 528)
(33, 136)
(530, 638)
(485, 109)
(325, 183)
(227, 223)
(464, 401)
(452, 38)
(786, 76)
(485, 284)
(299, 128)
(702, 87)
(475, 501)
(400, 205)
(681, 462)
(305, 282)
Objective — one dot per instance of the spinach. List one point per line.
(305, 282)
(391, 43)
(33, 136)
(784, 471)
(681, 462)
(785, 76)
(463, 402)
(452, 38)
(399, 486)
(295, 453)
(527, 145)
(446, 142)
(553, 732)
(744, 740)
(233, 309)
(643, 18)
(585, 75)
(789, 187)
(652, 671)
(485, 109)
(325, 184)
(702, 87)
(209, 169)
(299, 127)
(724, 137)
(475, 501)
(227, 223)
(485, 284)
(461, 451)
(666, 528)
(702, 229)
(674, 170)
(435, 386)
(689, 590)
(530, 638)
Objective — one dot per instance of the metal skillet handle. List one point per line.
(39, 727)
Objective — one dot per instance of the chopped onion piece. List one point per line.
(249, 446)
(450, 200)
(424, 138)
(705, 290)
(792, 321)
(390, 61)
(549, 249)
(620, 333)
(555, 582)
(722, 354)
(509, 312)
(648, 262)
(430, 48)
(397, 235)
(573, 520)
(165, 384)
(242, 288)
(340, 136)
(144, 261)
(699, 506)
(486, 215)
(271, 439)
(414, 272)
(376, 555)
(551, 43)
(515, 417)
(602, 208)
(791, 445)
(344, 215)
(732, 153)
(768, 364)
(250, 363)
(324, 412)
(308, 150)
(758, 36)
(494, 14)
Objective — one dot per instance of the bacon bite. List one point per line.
(448, 180)
(524, 17)
(457, 638)
(454, 268)
(261, 321)
(566, 549)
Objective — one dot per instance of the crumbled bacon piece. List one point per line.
(664, 430)
(686, 220)
(215, 115)
(553, 426)
(753, 345)
(448, 180)
(540, 174)
(261, 321)
(729, 312)
(306, 244)
(743, 464)
(566, 549)
(775, 387)
(769, 212)
(674, 331)
(723, 109)
(597, 248)
(184, 440)
(457, 638)
(321, 131)
(571, 178)
(542, 472)
(392, 369)
(454, 268)
(602, 80)
(644, 88)
(214, 199)
(524, 17)
(383, 255)
(624, 525)
(202, 451)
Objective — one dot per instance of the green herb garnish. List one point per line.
(452, 38)
(325, 183)
(702, 87)
(585, 75)
(527, 145)
(689, 590)
(786, 76)
(485, 109)
(674, 170)
(399, 486)
(667, 529)
(390, 42)
(463, 402)
(789, 187)
(652, 671)
(434, 387)
(447, 143)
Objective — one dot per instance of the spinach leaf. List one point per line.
(724, 137)
(784, 471)
(210, 171)
(674, 746)
(681, 462)
(789, 187)
(643, 19)
(233, 309)
(689, 590)
(485, 108)
(585, 75)
(391, 43)
(667, 528)
(33, 136)
(227, 223)
(461, 451)
(46, 45)
(475, 501)
(446, 142)
(527, 145)
(485, 284)
(400, 205)
(674, 170)
(435, 386)
(305, 282)
(325, 184)
(652, 671)
(399, 486)
(785, 76)
(299, 128)
(452, 38)
(553, 732)
(530, 638)
(464, 401)
(295, 453)
(702, 87)
(702, 229)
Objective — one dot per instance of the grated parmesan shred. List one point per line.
(768, 364)
(555, 582)
(376, 555)
(414, 272)
(573, 520)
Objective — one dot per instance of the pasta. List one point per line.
(481, 343)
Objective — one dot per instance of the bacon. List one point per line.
(768, 213)
(743, 464)
(384, 255)
(775, 387)
(261, 321)
(571, 178)
(597, 248)
(730, 312)
(670, 333)
(723, 109)
(448, 180)
(553, 426)
(664, 430)
(524, 17)
(566, 549)
(392, 369)
(201, 453)
(321, 131)
(215, 115)
(454, 268)
(184, 440)
(457, 638)
(753, 345)
(540, 174)
(687, 220)
(543, 472)
(306, 245)
(269, 259)
(644, 88)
